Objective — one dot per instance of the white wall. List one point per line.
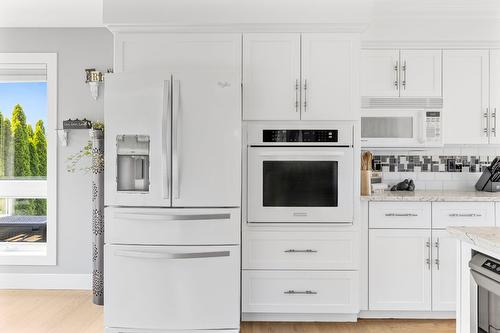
(77, 49)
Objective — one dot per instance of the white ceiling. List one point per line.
(88, 13)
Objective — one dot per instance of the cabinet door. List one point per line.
(465, 93)
(330, 77)
(271, 76)
(420, 73)
(380, 73)
(494, 95)
(177, 51)
(400, 274)
(444, 274)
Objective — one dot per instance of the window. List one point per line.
(28, 158)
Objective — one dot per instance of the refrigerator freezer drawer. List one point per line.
(172, 226)
(172, 287)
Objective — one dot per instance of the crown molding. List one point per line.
(444, 44)
(347, 27)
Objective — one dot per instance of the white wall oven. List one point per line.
(300, 174)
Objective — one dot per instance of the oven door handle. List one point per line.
(302, 153)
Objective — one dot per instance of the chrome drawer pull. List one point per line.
(305, 292)
(465, 215)
(401, 215)
(301, 251)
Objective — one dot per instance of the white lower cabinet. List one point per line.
(444, 273)
(171, 287)
(299, 291)
(399, 270)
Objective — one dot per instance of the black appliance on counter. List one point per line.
(490, 179)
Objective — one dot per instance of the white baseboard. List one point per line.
(45, 281)
(302, 317)
(407, 314)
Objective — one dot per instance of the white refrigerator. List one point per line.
(172, 196)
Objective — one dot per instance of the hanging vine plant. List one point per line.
(88, 159)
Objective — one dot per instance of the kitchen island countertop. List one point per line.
(487, 238)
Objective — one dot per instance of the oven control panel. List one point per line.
(491, 266)
(286, 135)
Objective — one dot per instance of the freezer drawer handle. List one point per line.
(401, 215)
(296, 292)
(301, 251)
(464, 215)
(166, 255)
(161, 217)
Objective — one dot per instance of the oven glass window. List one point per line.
(300, 183)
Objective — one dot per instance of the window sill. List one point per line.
(24, 254)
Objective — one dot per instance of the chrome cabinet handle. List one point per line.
(167, 255)
(464, 215)
(140, 216)
(301, 251)
(166, 112)
(176, 140)
(487, 121)
(401, 215)
(297, 292)
(428, 260)
(437, 261)
(494, 128)
(297, 89)
(396, 75)
(403, 68)
(305, 95)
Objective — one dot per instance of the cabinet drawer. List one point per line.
(167, 226)
(400, 215)
(300, 250)
(446, 214)
(172, 287)
(300, 291)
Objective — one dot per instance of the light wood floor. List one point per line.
(29, 311)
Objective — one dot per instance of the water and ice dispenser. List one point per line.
(132, 163)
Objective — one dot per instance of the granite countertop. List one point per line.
(433, 196)
(487, 238)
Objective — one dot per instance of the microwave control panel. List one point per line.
(433, 125)
(285, 135)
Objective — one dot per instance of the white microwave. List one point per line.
(401, 128)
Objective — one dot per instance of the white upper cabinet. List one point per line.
(311, 76)
(380, 73)
(401, 73)
(329, 77)
(465, 94)
(494, 95)
(420, 73)
(271, 76)
(181, 51)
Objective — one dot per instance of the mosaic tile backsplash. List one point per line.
(422, 163)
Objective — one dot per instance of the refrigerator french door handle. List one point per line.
(167, 255)
(166, 112)
(176, 128)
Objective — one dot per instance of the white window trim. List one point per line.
(39, 254)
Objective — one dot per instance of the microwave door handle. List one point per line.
(421, 138)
